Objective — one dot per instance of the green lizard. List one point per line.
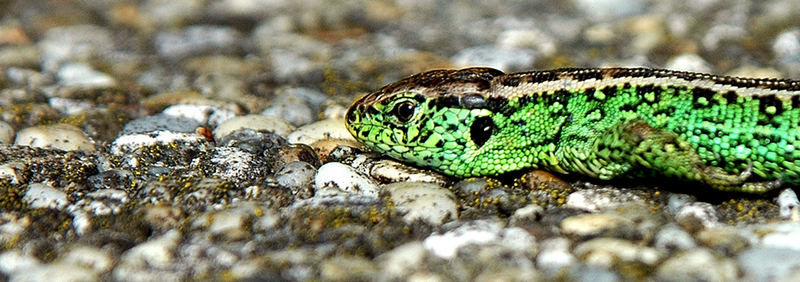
(732, 134)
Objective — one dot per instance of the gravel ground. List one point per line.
(160, 140)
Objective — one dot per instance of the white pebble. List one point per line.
(41, 195)
(158, 252)
(344, 178)
(479, 232)
(82, 75)
(58, 136)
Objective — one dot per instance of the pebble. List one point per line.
(203, 114)
(158, 252)
(58, 271)
(12, 172)
(402, 260)
(12, 261)
(479, 232)
(95, 259)
(254, 122)
(196, 40)
(525, 215)
(57, 136)
(347, 268)
(230, 225)
(156, 129)
(783, 235)
(724, 239)
(555, 253)
(697, 265)
(233, 164)
(297, 176)
(344, 178)
(607, 10)
(84, 76)
(768, 263)
(292, 109)
(40, 195)
(77, 43)
(607, 252)
(787, 47)
(688, 62)
(6, 133)
(20, 56)
(672, 237)
(503, 58)
(428, 202)
(789, 205)
(594, 200)
(324, 129)
(698, 214)
(591, 225)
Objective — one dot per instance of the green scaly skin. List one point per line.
(732, 134)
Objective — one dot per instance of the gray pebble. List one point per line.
(597, 199)
(789, 205)
(196, 40)
(292, 109)
(298, 176)
(74, 43)
(254, 122)
(697, 265)
(480, 232)
(320, 130)
(502, 58)
(688, 62)
(423, 201)
(606, 252)
(787, 47)
(767, 263)
(6, 133)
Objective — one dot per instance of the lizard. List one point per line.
(727, 133)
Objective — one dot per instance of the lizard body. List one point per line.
(732, 134)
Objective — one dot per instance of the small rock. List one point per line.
(231, 163)
(528, 214)
(724, 239)
(783, 235)
(502, 58)
(58, 136)
(606, 252)
(324, 129)
(82, 75)
(74, 43)
(592, 225)
(254, 122)
(480, 232)
(298, 177)
(12, 172)
(41, 195)
(344, 178)
(158, 252)
(346, 268)
(555, 254)
(688, 62)
(157, 129)
(423, 201)
(697, 265)
(12, 261)
(56, 272)
(292, 109)
(230, 224)
(767, 263)
(212, 115)
(697, 215)
(606, 10)
(672, 237)
(402, 260)
(594, 200)
(789, 205)
(91, 258)
(197, 40)
(787, 47)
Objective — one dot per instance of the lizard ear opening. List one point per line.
(481, 129)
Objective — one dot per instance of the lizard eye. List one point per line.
(404, 111)
(481, 130)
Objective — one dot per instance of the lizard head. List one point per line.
(442, 119)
